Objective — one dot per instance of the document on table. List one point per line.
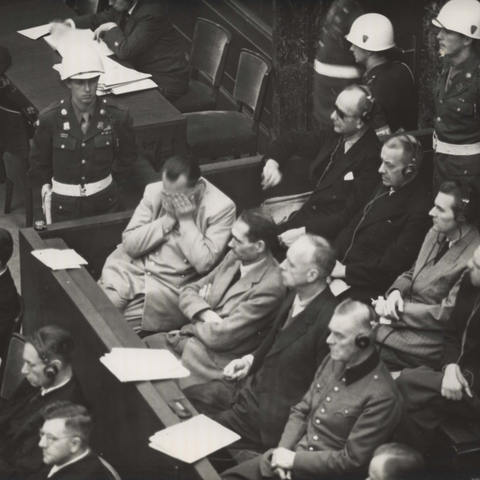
(59, 259)
(193, 439)
(67, 39)
(36, 32)
(143, 364)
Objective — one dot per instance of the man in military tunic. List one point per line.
(457, 95)
(82, 145)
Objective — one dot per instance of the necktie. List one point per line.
(442, 251)
(235, 279)
(123, 21)
(340, 142)
(85, 122)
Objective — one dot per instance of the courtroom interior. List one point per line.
(239, 239)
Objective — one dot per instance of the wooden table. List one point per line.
(35, 84)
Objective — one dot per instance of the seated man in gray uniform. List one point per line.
(178, 233)
(232, 309)
(351, 408)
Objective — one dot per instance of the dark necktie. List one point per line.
(123, 21)
(442, 251)
(235, 279)
(333, 155)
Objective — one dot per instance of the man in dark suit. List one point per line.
(454, 388)
(47, 366)
(64, 440)
(384, 238)
(343, 172)
(140, 32)
(9, 300)
(259, 390)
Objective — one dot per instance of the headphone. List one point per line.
(51, 369)
(465, 210)
(362, 340)
(367, 116)
(410, 170)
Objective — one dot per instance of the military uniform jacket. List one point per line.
(429, 290)
(457, 109)
(61, 150)
(387, 241)
(345, 415)
(148, 41)
(347, 184)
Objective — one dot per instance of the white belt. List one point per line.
(451, 149)
(79, 191)
(337, 71)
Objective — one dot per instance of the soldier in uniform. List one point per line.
(457, 98)
(82, 145)
(391, 83)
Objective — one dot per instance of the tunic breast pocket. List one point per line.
(64, 143)
(345, 416)
(103, 147)
(461, 106)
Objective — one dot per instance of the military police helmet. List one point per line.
(373, 32)
(461, 16)
(81, 64)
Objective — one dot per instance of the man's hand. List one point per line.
(237, 369)
(102, 29)
(454, 383)
(271, 174)
(394, 305)
(282, 458)
(338, 271)
(205, 292)
(283, 474)
(184, 207)
(288, 237)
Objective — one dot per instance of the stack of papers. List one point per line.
(143, 364)
(59, 259)
(193, 439)
(36, 32)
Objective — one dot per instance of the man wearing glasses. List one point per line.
(343, 171)
(47, 367)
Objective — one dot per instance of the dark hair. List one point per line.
(6, 246)
(401, 462)
(51, 343)
(466, 200)
(260, 227)
(363, 312)
(412, 148)
(77, 419)
(324, 255)
(182, 165)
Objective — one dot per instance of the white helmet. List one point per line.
(81, 64)
(461, 16)
(372, 32)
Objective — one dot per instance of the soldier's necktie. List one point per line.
(85, 122)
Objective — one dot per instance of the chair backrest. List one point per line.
(12, 376)
(209, 50)
(251, 83)
(14, 132)
(86, 7)
(113, 472)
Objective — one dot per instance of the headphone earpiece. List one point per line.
(367, 116)
(362, 341)
(410, 170)
(461, 215)
(51, 371)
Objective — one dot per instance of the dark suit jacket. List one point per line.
(285, 363)
(148, 42)
(9, 308)
(387, 241)
(88, 468)
(346, 186)
(21, 419)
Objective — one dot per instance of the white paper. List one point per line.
(36, 32)
(338, 286)
(193, 439)
(143, 364)
(145, 84)
(280, 208)
(66, 40)
(59, 259)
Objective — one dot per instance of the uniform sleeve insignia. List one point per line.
(66, 126)
(100, 125)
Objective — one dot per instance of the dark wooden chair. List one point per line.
(12, 369)
(216, 134)
(209, 53)
(15, 138)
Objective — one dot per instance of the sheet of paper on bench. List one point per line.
(143, 364)
(68, 39)
(59, 259)
(36, 32)
(338, 286)
(193, 439)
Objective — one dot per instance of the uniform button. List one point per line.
(343, 379)
(116, 44)
(108, 143)
(335, 389)
(83, 178)
(315, 437)
(83, 144)
(314, 207)
(322, 410)
(83, 162)
(317, 421)
(328, 399)
(63, 146)
(375, 377)
(318, 385)
(465, 172)
(60, 207)
(438, 119)
(458, 109)
(148, 273)
(310, 448)
(441, 101)
(346, 410)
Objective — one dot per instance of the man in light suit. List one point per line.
(178, 233)
(231, 309)
(255, 397)
(421, 300)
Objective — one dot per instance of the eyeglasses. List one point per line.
(341, 114)
(50, 438)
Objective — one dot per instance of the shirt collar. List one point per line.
(44, 391)
(56, 468)
(133, 8)
(244, 269)
(79, 113)
(3, 271)
(350, 141)
(357, 372)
